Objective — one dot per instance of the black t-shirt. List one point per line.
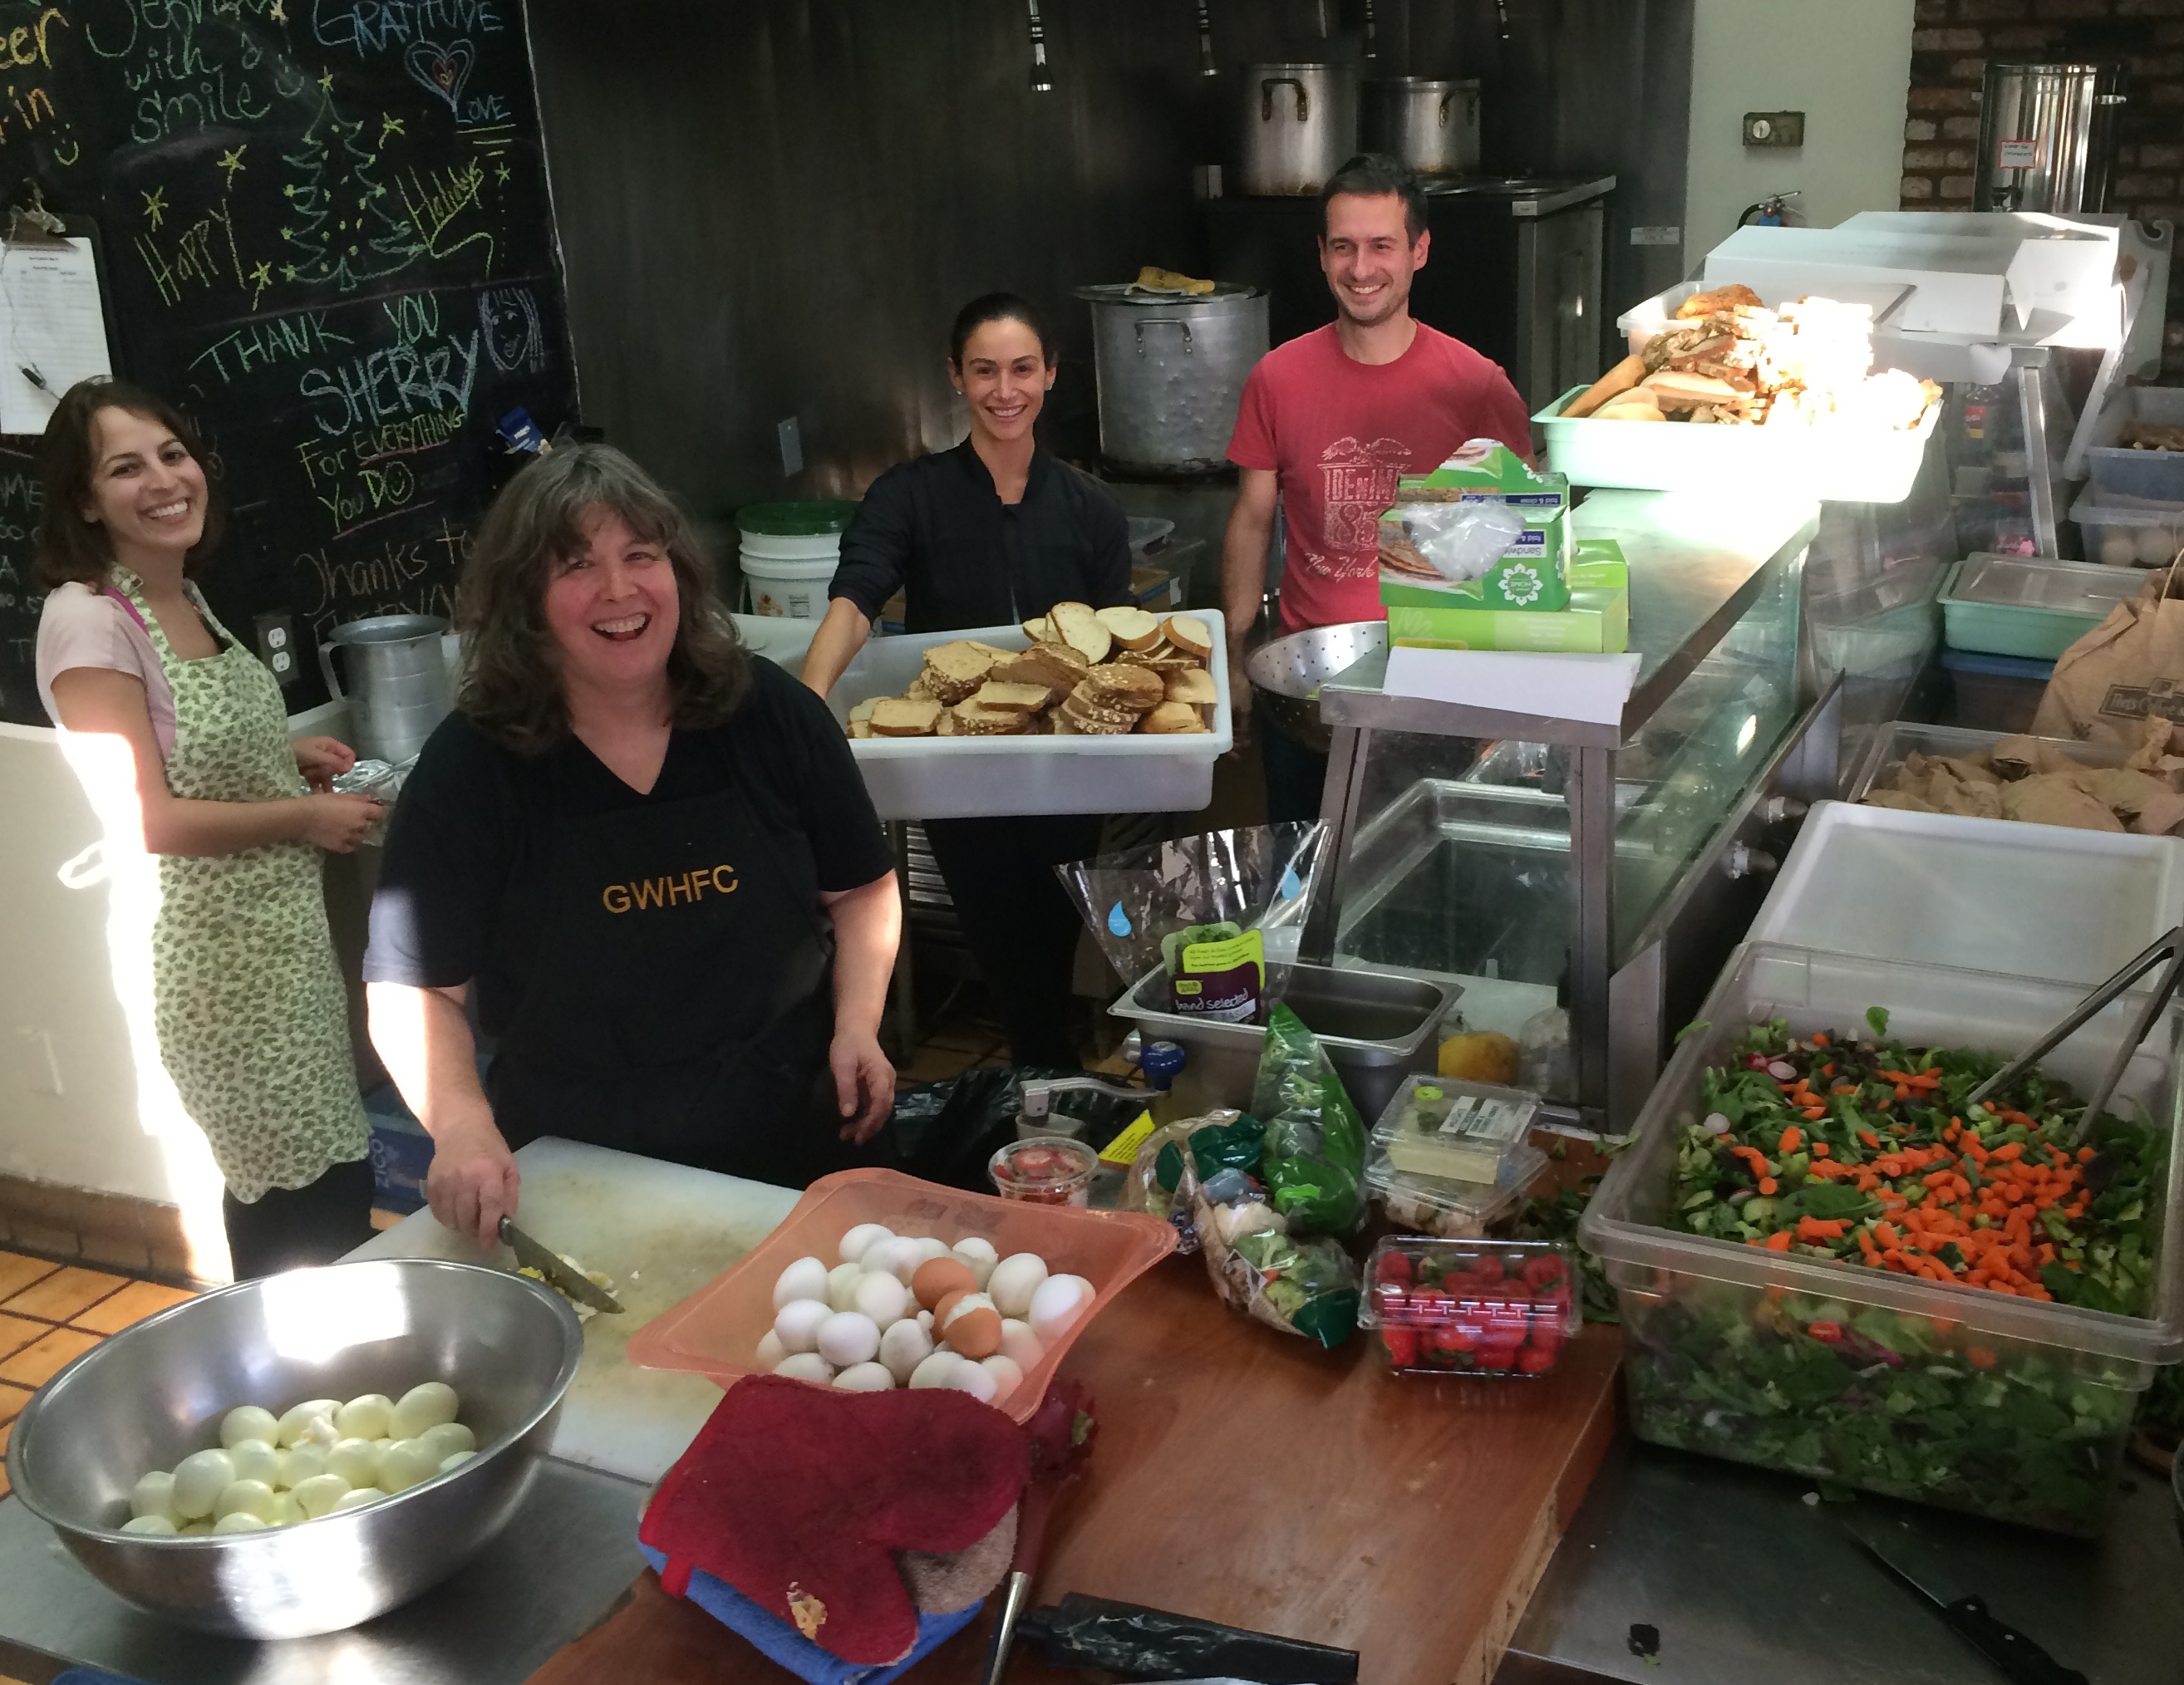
(463, 891)
(936, 529)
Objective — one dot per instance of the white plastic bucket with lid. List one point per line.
(789, 552)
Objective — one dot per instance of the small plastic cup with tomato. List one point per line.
(1046, 1170)
(1469, 1307)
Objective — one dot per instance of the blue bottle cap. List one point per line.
(1162, 1062)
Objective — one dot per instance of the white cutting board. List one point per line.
(661, 1232)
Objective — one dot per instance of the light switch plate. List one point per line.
(1773, 128)
(790, 438)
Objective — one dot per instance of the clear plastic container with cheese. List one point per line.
(1458, 1131)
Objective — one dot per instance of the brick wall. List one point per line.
(1949, 50)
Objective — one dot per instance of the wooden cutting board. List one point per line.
(1248, 1477)
(661, 1232)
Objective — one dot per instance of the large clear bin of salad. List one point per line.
(1757, 1329)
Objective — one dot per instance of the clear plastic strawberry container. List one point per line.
(1498, 1307)
(716, 1332)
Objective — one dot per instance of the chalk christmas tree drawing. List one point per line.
(339, 226)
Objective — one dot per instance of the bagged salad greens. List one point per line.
(1300, 1286)
(1313, 1155)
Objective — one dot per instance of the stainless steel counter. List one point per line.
(552, 1574)
(1744, 1581)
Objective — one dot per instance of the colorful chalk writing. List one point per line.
(326, 232)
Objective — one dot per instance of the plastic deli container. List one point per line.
(987, 777)
(1844, 465)
(715, 1332)
(1448, 1210)
(1980, 1401)
(1443, 1308)
(1045, 1170)
(2126, 475)
(1444, 1127)
(2034, 900)
(2118, 535)
(1899, 739)
(2033, 606)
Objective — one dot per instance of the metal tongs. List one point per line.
(2169, 947)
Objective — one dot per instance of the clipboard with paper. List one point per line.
(53, 314)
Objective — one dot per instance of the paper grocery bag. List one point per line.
(2125, 671)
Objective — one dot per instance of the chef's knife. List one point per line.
(2006, 1647)
(569, 1283)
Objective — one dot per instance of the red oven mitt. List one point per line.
(799, 1497)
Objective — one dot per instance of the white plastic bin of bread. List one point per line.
(987, 777)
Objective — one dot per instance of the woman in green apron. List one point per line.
(641, 860)
(247, 1003)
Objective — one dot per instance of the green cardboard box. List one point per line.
(1595, 622)
(1531, 575)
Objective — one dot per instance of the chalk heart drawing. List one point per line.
(443, 70)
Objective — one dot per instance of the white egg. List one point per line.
(847, 1338)
(1019, 1344)
(196, 1529)
(770, 1351)
(286, 1512)
(903, 1348)
(2118, 549)
(2155, 547)
(936, 1371)
(925, 1320)
(447, 1438)
(807, 1278)
(1057, 1304)
(860, 1239)
(255, 1459)
(247, 1421)
(806, 1366)
(300, 1464)
(895, 1256)
(1015, 1279)
(365, 1417)
(241, 1521)
(153, 1495)
(455, 1459)
(842, 1281)
(427, 1404)
(866, 1377)
(296, 1418)
(356, 1461)
(797, 1324)
(318, 1495)
(381, 1446)
(882, 1297)
(980, 1381)
(252, 1497)
(199, 1479)
(1007, 1377)
(408, 1463)
(977, 1252)
(930, 1249)
(358, 1499)
(149, 1524)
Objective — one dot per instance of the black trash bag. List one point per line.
(948, 1131)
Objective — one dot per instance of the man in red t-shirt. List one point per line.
(1327, 424)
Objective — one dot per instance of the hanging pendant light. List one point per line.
(1207, 67)
(1042, 76)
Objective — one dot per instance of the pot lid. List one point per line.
(1129, 293)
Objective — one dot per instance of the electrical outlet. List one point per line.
(276, 644)
(790, 438)
(35, 1061)
(1773, 128)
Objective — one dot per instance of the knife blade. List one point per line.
(2008, 1648)
(535, 1254)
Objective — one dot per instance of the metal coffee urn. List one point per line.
(2047, 136)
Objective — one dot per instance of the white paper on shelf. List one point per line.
(1592, 688)
(51, 323)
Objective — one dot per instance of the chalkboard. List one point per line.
(328, 236)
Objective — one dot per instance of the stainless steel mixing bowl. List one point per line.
(1287, 673)
(151, 1395)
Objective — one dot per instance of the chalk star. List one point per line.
(232, 162)
(326, 82)
(287, 271)
(155, 205)
(500, 172)
(388, 126)
(261, 277)
(278, 15)
(287, 234)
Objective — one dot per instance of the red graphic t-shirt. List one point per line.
(1340, 432)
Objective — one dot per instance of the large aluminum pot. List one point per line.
(150, 1396)
(399, 688)
(1430, 126)
(2047, 136)
(1298, 124)
(1171, 372)
(1287, 672)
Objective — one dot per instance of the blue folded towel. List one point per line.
(776, 1638)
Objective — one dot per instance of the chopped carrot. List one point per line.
(1791, 1138)
(1779, 1241)
(1768, 1186)
(1815, 1114)
(1978, 1357)
(2009, 1151)
(1865, 1243)
(1819, 1039)
(1869, 1139)
(1821, 1150)
(1886, 1234)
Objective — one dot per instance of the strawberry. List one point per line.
(1535, 1360)
(1542, 1271)
(1403, 1345)
(1393, 1267)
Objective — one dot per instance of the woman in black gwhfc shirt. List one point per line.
(990, 533)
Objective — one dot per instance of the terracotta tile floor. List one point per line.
(52, 1313)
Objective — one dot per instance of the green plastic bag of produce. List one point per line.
(1314, 1150)
(1306, 1287)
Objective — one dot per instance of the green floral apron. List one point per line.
(248, 1000)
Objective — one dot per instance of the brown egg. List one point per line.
(975, 1331)
(947, 1302)
(938, 1278)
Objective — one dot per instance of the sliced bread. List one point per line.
(1038, 630)
(1172, 717)
(1190, 634)
(973, 719)
(1089, 723)
(1133, 628)
(956, 668)
(1116, 685)
(1014, 698)
(1038, 665)
(1194, 685)
(1082, 629)
(1086, 703)
(900, 717)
